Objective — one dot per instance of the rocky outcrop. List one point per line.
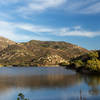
(52, 60)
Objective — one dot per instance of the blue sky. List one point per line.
(74, 21)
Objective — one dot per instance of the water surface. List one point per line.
(45, 83)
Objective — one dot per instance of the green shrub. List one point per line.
(78, 63)
(63, 64)
(93, 55)
(93, 64)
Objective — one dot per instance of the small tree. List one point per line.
(21, 97)
(78, 63)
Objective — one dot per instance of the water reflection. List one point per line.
(54, 81)
(93, 82)
(48, 84)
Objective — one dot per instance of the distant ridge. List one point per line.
(37, 53)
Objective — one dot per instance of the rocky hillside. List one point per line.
(39, 53)
(4, 42)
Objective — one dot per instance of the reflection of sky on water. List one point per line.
(33, 71)
(43, 86)
(72, 93)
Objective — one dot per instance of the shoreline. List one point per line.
(82, 70)
(78, 70)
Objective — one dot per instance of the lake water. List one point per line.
(45, 83)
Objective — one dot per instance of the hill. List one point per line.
(39, 53)
(4, 42)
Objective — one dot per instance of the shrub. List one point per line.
(93, 55)
(93, 64)
(63, 64)
(78, 63)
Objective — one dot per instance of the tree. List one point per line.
(93, 64)
(21, 97)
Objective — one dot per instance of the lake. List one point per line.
(47, 83)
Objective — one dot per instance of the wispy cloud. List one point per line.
(33, 28)
(27, 7)
(63, 31)
(77, 32)
(83, 6)
(40, 5)
(71, 6)
(92, 9)
(10, 30)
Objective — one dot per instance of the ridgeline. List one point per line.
(37, 53)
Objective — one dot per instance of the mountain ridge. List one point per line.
(39, 53)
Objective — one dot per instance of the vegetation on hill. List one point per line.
(39, 53)
(88, 62)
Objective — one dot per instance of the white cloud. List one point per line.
(95, 8)
(10, 30)
(40, 5)
(27, 7)
(33, 28)
(67, 31)
(84, 33)
(71, 6)
(83, 6)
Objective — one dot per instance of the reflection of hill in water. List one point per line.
(52, 81)
(93, 81)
